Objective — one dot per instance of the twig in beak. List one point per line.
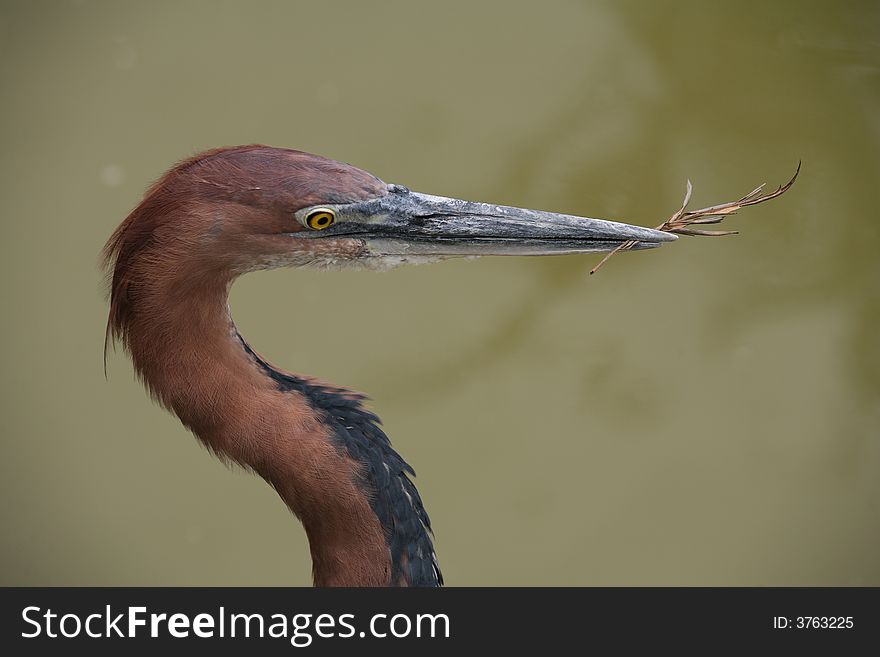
(682, 221)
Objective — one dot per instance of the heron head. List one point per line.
(254, 207)
(332, 214)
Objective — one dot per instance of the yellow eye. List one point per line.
(320, 219)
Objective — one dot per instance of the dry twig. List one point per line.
(682, 221)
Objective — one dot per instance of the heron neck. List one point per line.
(193, 360)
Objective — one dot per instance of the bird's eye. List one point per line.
(320, 219)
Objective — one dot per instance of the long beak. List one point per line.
(409, 223)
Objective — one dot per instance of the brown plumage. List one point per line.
(173, 259)
(229, 211)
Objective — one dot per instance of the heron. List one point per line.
(233, 210)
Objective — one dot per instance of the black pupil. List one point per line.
(322, 220)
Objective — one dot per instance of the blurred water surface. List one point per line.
(706, 413)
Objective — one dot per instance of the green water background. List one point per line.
(702, 414)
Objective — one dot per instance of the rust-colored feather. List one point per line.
(170, 264)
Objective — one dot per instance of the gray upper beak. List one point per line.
(408, 223)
